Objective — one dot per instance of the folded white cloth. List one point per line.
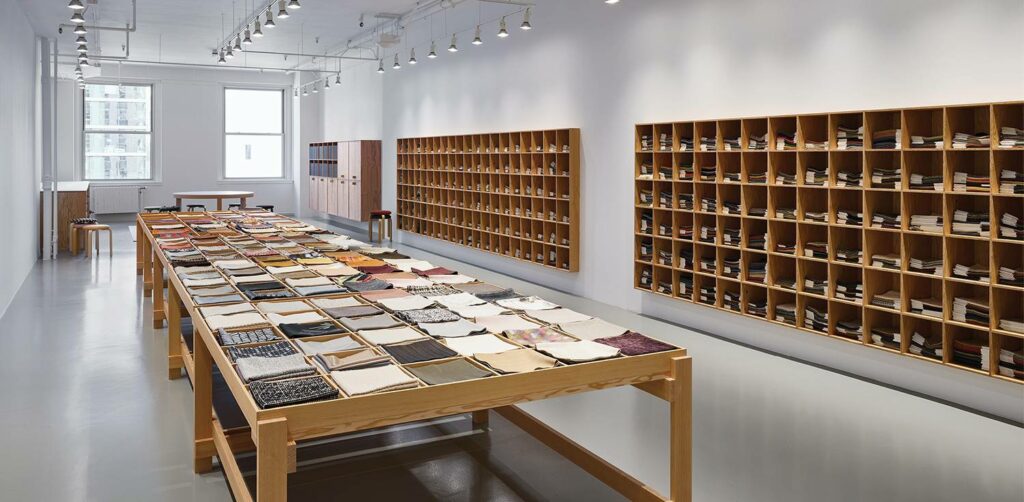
(300, 318)
(451, 279)
(577, 352)
(558, 316)
(334, 270)
(282, 307)
(235, 320)
(458, 300)
(474, 311)
(411, 302)
(226, 309)
(331, 303)
(406, 265)
(359, 382)
(203, 282)
(334, 345)
(527, 303)
(479, 344)
(592, 329)
(505, 322)
(451, 329)
(259, 368)
(181, 269)
(252, 278)
(285, 270)
(195, 276)
(312, 281)
(390, 335)
(233, 264)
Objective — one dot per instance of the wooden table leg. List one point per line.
(272, 460)
(158, 294)
(481, 418)
(110, 242)
(177, 202)
(138, 247)
(202, 387)
(369, 231)
(242, 202)
(220, 204)
(681, 421)
(147, 266)
(174, 360)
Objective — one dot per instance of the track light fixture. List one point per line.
(270, 24)
(433, 50)
(397, 65)
(502, 28)
(476, 38)
(327, 84)
(82, 49)
(248, 38)
(305, 92)
(282, 12)
(315, 88)
(294, 4)
(453, 47)
(80, 30)
(526, 20)
(611, 2)
(83, 60)
(228, 53)
(238, 42)
(380, 66)
(77, 18)
(221, 60)
(80, 40)
(337, 79)
(257, 32)
(412, 56)
(76, 5)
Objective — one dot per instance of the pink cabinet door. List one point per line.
(313, 193)
(355, 211)
(355, 162)
(332, 196)
(343, 167)
(341, 199)
(322, 196)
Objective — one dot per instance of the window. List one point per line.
(253, 133)
(117, 132)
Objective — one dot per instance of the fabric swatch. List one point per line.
(411, 302)
(235, 320)
(634, 344)
(578, 352)
(278, 349)
(532, 337)
(282, 307)
(310, 329)
(484, 310)
(390, 335)
(362, 359)
(229, 338)
(517, 361)
(339, 344)
(378, 321)
(558, 316)
(458, 300)
(302, 317)
(418, 351)
(427, 315)
(592, 329)
(457, 370)
(452, 329)
(330, 303)
(505, 322)
(527, 303)
(262, 368)
(354, 311)
(360, 382)
(479, 344)
(288, 392)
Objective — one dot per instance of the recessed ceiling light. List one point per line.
(611, 2)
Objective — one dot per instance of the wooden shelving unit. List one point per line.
(345, 178)
(758, 216)
(515, 194)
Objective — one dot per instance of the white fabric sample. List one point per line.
(558, 316)
(203, 282)
(253, 278)
(451, 279)
(312, 281)
(474, 311)
(331, 303)
(300, 318)
(577, 352)
(334, 345)
(592, 329)
(233, 264)
(527, 303)
(479, 344)
(411, 302)
(406, 265)
(285, 270)
(226, 309)
(370, 380)
(458, 300)
(282, 307)
(405, 283)
(505, 322)
(390, 335)
(235, 320)
(451, 329)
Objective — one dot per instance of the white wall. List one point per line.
(19, 183)
(188, 131)
(604, 68)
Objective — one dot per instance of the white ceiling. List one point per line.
(187, 31)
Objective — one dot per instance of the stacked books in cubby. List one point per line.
(888, 300)
(970, 224)
(930, 346)
(1011, 277)
(883, 220)
(665, 288)
(816, 176)
(927, 142)
(887, 139)
(757, 270)
(784, 178)
(1011, 137)
(931, 266)
(886, 178)
(845, 217)
(732, 207)
(708, 205)
(848, 138)
(931, 307)
(926, 223)
(757, 241)
(685, 144)
(707, 144)
(757, 178)
(731, 237)
(816, 249)
(849, 178)
(686, 172)
(708, 173)
(963, 140)
(886, 337)
(786, 313)
(1011, 182)
(707, 295)
(665, 142)
(850, 329)
(963, 182)
(757, 142)
(785, 213)
(757, 308)
(785, 140)
(1011, 227)
(848, 290)
(889, 261)
(1011, 364)
(977, 272)
(815, 319)
(815, 286)
(732, 144)
(646, 143)
(731, 300)
(926, 182)
(849, 255)
(968, 353)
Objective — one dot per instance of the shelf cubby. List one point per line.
(755, 167)
(1006, 305)
(705, 136)
(782, 168)
(1010, 256)
(755, 300)
(880, 282)
(813, 169)
(1006, 115)
(812, 205)
(970, 119)
(883, 170)
(780, 302)
(730, 138)
(876, 122)
(819, 321)
(926, 124)
(923, 338)
(813, 132)
(756, 129)
(782, 133)
(923, 171)
(846, 169)
(846, 245)
(884, 324)
(1011, 346)
(966, 346)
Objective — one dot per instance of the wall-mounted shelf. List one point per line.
(515, 194)
(845, 225)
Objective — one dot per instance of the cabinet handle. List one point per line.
(353, 182)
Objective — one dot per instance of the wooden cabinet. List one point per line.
(345, 178)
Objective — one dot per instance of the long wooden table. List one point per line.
(274, 433)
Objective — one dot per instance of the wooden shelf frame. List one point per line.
(788, 187)
(515, 194)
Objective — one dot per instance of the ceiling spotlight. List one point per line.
(476, 38)
(327, 84)
(248, 38)
(294, 4)
(221, 60)
(77, 18)
(83, 60)
(380, 66)
(257, 32)
(526, 21)
(80, 30)
(412, 56)
(315, 88)
(282, 13)
(229, 53)
(611, 2)
(305, 91)
(76, 5)
(80, 40)
(502, 28)
(238, 42)
(433, 50)
(296, 93)
(83, 49)
(270, 24)
(337, 79)
(78, 69)
(453, 47)
(397, 65)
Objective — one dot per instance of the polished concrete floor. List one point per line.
(88, 414)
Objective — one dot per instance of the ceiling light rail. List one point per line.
(130, 28)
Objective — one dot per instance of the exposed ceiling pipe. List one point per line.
(324, 56)
(196, 65)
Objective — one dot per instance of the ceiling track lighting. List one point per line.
(502, 28)
(337, 79)
(76, 5)
(305, 92)
(327, 84)
(282, 12)
(270, 24)
(433, 50)
(294, 4)
(476, 38)
(315, 88)
(238, 42)
(257, 32)
(77, 18)
(397, 65)
(80, 30)
(248, 38)
(82, 49)
(380, 66)
(221, 60)
(229, 53)
(80, 40)
(412, 56)
(454, 46)
(526, 20)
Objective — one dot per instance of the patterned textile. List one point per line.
(278, 349)
(228, 338)
(428, 315)
(434, 290)
(310, 329)
(419, 351)
(634, 344)
(266, 368)
(282, 393)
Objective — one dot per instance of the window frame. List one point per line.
(82, 154)
(285, 175)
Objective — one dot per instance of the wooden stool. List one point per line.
(91, 230)
(196, 207)
(234, 205)
(170, 209)
(267, 207)
(380, 216)
(152, 209)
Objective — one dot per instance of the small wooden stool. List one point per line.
(380, 216)
(196, 207)
(91, 230)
